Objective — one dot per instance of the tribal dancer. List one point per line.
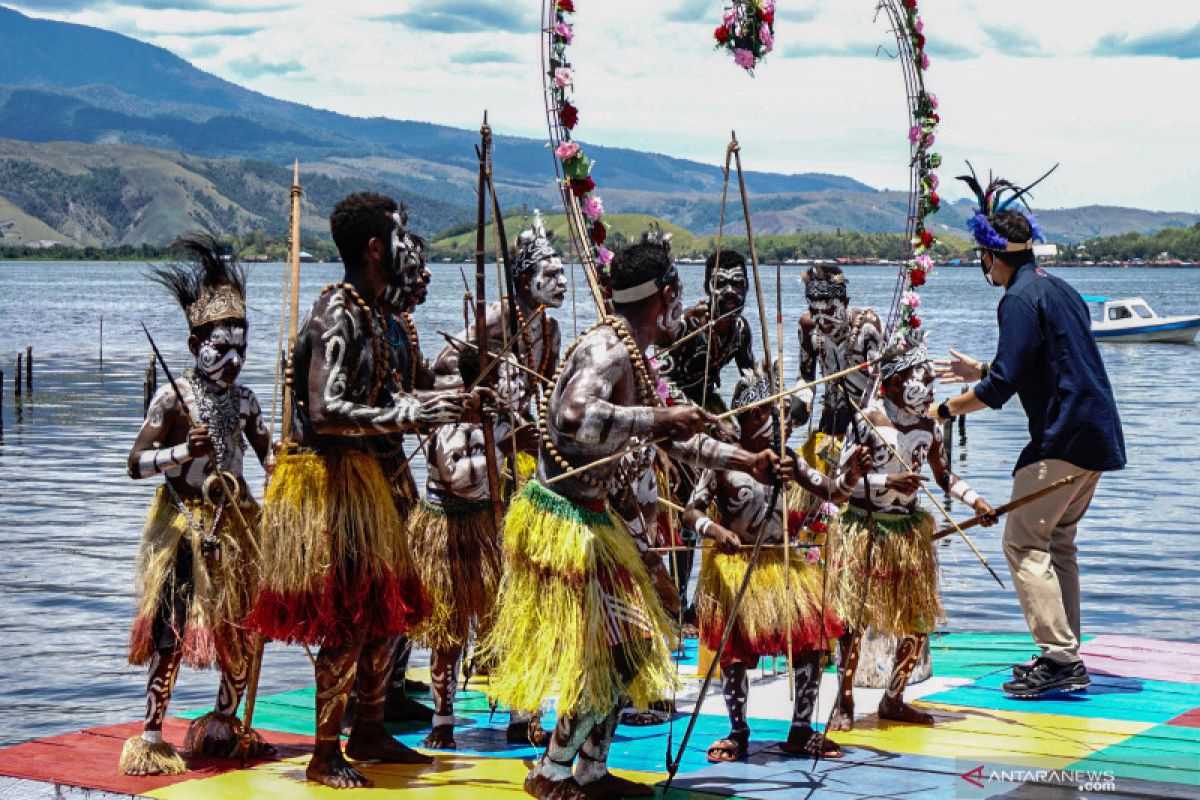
(407, 289)
(834, 335)
(730, 508)
(456, 542)
(196, 568)
(884, 559)
(337, 569)
(695, 365)
(577, 612)
(541, 284)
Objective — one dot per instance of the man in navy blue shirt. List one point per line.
(1047, 357)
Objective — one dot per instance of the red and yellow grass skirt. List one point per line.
(336, 561)
(217, 594)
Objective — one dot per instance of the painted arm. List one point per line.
(445, 366)
(958, 488)
(165, 421)
(256, 427)
(584, 410)
(744, 355)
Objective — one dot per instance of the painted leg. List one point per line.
(551, 777)
(803, 739)
(843, 714)
(892, 706)
(368, 740)
(336, 668)
(443, 672)
(149, 754)
(400, 707)
(735, 686)
(591, 769)
(219, 732)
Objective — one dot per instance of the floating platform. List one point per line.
(1134, 734)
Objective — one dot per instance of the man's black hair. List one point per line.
(729, 260)
(359, 218)
(1014, 227)
(638, 263)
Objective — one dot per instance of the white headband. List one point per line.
(637, 293)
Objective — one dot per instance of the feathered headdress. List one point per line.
(208, 289)
(658, 237)
(753, 385)
(533, 245)
(824, 283)
(1000, 195)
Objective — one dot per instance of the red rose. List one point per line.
(927, 238)
(907, 4)
(934, 200)
(920, 37)
(914, 321)
(599, 232)
(817, 526)
(917, 277)
(768, 17)
(568, 115)
(934, 118)
(721, 34)
(569, 5)
(582, 186)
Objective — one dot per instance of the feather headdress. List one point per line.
(533, 245)
(998, 196)
(824, 283)
(211, 287)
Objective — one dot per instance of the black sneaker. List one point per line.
(1021, 670)
(1047, 676)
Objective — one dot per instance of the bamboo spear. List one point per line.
(485, 363)
(1012, 505)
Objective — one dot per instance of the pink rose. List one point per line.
(933, 181)
(730, 19)
(743, 58)
(604, 255)
(932, 98)
(914, 134)
(563, 76)
(911, 299)
(920, 26)
(924, 262)
(661, 387)
(592, 208)
(924, 60)
(812, 555)
(828, 509)
(565, 31)
(764, 35)
(928, 141)
(567, 150)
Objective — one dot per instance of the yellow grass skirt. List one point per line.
(219, 593)
(457, 552)
(336, 562)
(575, 591)
(902, 595)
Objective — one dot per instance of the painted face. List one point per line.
(916, 392)
(408, 279)
(509, 384)
(830, 315)
(758, 427)
(728, 288)
(548, 286)
(221, 355)
(670, 323)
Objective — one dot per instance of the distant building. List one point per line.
(1045, 250)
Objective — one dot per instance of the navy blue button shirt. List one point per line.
(1047, 356)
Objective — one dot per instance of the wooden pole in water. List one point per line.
(101, 340)
(29, 371)
(17, 380)
(1, 404)
(962, 423)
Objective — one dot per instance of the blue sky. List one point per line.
(1107, 88)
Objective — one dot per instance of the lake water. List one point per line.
(70, 518)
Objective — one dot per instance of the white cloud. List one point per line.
(1122, 127)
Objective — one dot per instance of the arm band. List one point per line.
(961, 490)
(703, 525)
(155, 462)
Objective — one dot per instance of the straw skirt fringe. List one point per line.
(575, 592)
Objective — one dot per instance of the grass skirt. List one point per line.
(457, 552)
(336, 562)
(575, 591)
(219, 594)
(768, 609)
(902, 597)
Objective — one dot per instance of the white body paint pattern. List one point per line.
(834, 352)
(913, 445)
(741, 503)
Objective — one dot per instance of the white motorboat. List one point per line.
(1131, 319)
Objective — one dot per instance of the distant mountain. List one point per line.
(178, 126)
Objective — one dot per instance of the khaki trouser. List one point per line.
(1039, 542)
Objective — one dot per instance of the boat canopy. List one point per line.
(1094, 298)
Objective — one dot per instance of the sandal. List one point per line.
(731, 748)
(808, 742)
(641, 719)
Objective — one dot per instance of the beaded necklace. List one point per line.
(647, 396)
(528, 341)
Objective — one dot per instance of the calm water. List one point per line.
(70, 518)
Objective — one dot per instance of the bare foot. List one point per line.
(441, 738)
(335, 771)
(539, 786)
(378, 745)
(612, 786)
(843, 718)
(900, 711)
(527, 732)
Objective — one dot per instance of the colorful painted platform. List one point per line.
(1135, 734)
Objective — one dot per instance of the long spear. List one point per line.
(485, 362)
(1012, 505)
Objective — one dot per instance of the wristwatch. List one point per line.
(943, 410)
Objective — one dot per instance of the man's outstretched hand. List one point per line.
(958, 368)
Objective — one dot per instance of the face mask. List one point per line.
(219, 357)
(549, 285)
(987, 271)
